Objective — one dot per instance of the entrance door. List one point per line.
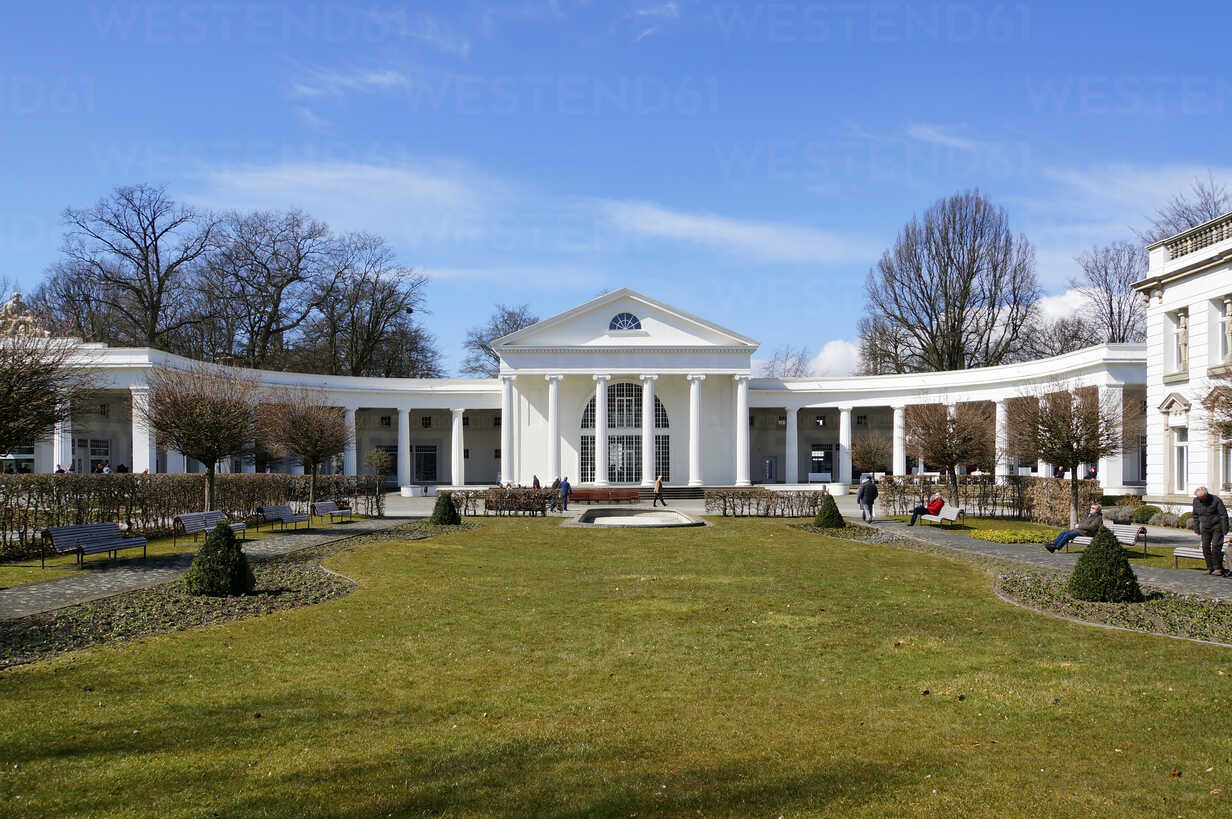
(821, 463)
(770, 469)
(425, 463)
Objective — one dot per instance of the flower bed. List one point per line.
(1015, 535)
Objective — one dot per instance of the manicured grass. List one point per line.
(20, 572)
(522, 669)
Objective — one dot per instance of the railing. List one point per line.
(1201, 237)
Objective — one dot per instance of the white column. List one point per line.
(601, 456)
(1042, 468)
(145, 451)
(506, 436)
(791, 453)
(900, 440)
(648, 430)
(1002, 439)
(405, 478)
(350, 454)
(1111, 469)
(62, 445)
(457, 449)
(695, 428)
(742, 430)
(844, 445)
(553, 427)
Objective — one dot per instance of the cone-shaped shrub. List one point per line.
(445, 513)
(220, 569)
(828, 516)
(1103, 573)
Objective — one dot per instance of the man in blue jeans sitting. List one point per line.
(1088, 526)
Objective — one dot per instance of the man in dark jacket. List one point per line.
(866, 496)
(1087, 527)
(1210, 521)
(565, 489)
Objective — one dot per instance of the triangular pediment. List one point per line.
(1175, 402)
(642, 323)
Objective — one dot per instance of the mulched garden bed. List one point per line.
(284, 582)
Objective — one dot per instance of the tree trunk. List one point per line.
(952, 475)
(209, 487)
(312, 493)
(1073, 497)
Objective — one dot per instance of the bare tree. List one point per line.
(204, 411)
(1109, 274)
(481, 360)
(379, 461)
(1044, 338)
(881, 347)
(134, 254)
(872, 452)
(788, 362)
(299, 424)
(947, 439)
(273, 270)
(957, 289)
(1205, 200)
(39, 385)
(1066, 427)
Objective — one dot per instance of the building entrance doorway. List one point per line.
(425, 464)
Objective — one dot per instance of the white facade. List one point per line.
(588, 381)
(1188, 293)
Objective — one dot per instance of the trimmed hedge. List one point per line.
(220, 568)
(1103, 573)
(828, 516)
(1015, 497)
(1144, 513)
(149, 503)
(517, 501)
(445, 513)
(756, 502)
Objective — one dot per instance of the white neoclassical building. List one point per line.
(1188, 292)
(625, 382)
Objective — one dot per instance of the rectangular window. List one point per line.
(861, 420)
(496, 422)
(624, 458)
(497, 451)
(1222, 329)
(466, 453)
(466, 420)
(586, 459)
(782, 421)
(425, 421)
(663, 457)
(386, 420)
(104, 410)
(819, 420)
(1180, 460)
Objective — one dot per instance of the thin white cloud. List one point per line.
(839, 357)
(764, 240)
(327, 83)
(424, 29)
(310, 118)
(667, 11)
(936, 135)
(538, 277)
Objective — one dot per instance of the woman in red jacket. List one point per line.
(934, 506)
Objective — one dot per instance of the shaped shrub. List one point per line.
(828, 516)
(1144, 513)
(1103, 573)
(1185, 521)
(220, 569)
(1165, 519)
(445, 513)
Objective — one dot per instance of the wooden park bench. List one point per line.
(282, 515)
(194, 523)
(944, 514)
(1194, 552)
(1127, 534)
(604, 496)
(88, 539)
(330, 508)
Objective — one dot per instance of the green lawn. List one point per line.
(523, 669)
(20, 572)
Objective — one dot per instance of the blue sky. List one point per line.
(746, 161)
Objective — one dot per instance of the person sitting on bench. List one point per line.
(931, 508)
(1088, 526)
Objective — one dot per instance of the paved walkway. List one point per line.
(1192, 582)
(100, 579)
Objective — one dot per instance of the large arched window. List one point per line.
(624, 436)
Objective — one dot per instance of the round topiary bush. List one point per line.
(220, 568)
(828, 516)
(1144, 513)
(445, 513)
(1103, 573)
(1185, 521)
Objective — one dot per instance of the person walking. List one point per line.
(534, 481)
(658, 492)
(1087, 527)
(866, 497)
(1210, 522)
(555, 505)
(931, 508)
(565, 489)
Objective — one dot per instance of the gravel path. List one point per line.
(99, 579)
(1192, 582)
